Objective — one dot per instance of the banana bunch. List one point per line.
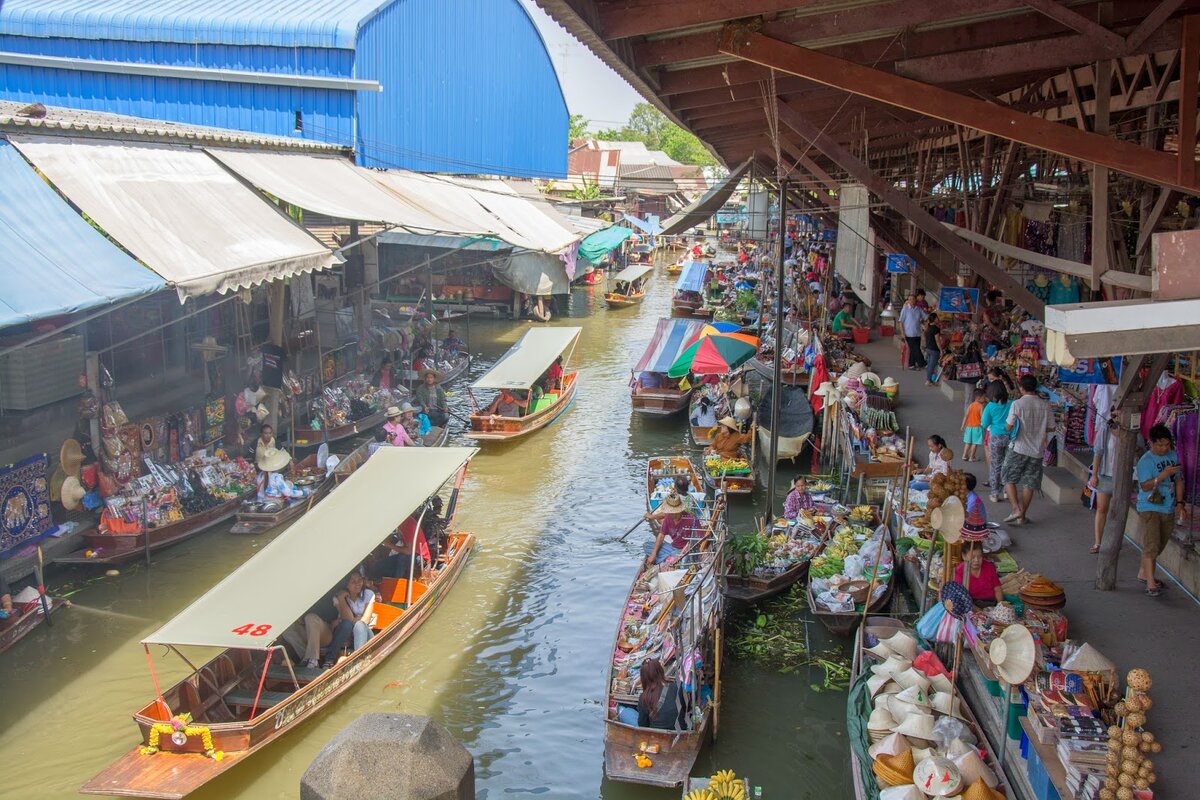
(722, 786)
(862, 514)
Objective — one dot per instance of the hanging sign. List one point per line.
(900, 263)
(1103, 370)
(957, 300)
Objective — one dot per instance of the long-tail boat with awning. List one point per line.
(524, 365)
(628, 286)
(252, 692)
(653, 392)
(688, 299)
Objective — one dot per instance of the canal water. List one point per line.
(514, 661)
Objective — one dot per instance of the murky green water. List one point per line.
(514, 661)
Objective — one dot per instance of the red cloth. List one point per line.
(819, 375)
(983, 586)
(409, 529)
(1172, 395)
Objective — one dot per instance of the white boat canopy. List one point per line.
(177, 211)
(252, 607)
(526, 360)
(632, 273)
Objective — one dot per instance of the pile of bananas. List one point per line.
(722, 786)
(717, 465)
(862, 514)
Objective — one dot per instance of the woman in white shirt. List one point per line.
(939, 463)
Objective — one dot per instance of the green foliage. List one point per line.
(746, 553)
(588, 191)
(775, 636)
(577, 127)
(649, 125)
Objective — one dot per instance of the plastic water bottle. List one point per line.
(758, 793)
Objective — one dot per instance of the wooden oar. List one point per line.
(636, 525)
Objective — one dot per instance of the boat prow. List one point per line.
(670, 766)
(138, 775)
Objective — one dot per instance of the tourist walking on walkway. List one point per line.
(911, 317)
(933, 348)
(995, 425)
(1101, 481)
(1029, 421)
(1160, 484)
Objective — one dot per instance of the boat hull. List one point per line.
(660, 402)
(844, 624)
(14, 630)
(789, 446)
(755, 590)
(789, 377)
(502, 429)
(672, 764)
(310, 437)
(623, 300)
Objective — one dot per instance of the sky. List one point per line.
(589, 85)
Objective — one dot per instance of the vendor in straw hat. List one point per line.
(395, 427)
(272, 462)
(676, 527)
(727, 436)
(431, 397)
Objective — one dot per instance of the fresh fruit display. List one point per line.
(725, 466)
(864, 514)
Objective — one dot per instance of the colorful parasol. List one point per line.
(712, 330)
(712, 355)
(722, 327)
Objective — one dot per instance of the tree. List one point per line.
(577, 127)
(685, 147)
(649, 125)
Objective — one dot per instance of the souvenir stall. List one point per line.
(159, 481)
(1183, 418)
(867, 442)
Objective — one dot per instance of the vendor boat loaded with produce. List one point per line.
(855, 573)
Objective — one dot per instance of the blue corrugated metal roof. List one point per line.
(66, 265)
(281, 23)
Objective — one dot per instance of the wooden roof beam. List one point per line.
(1091, 29)
(1150, 165)
(621, 19)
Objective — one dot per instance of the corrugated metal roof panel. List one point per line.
(284, 23)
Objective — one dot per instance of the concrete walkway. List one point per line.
(1160, 634)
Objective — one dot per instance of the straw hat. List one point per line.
(393, 412)
(1013, 655)
(945, 703)
(948, 519)
(937, 777)
(917, 725)
(72, 493)
(900, 709)
(893, 666)
(856, 370)
(902, 642)
(70, 455)
(826, 388)
(915, 695)
(880, 649)
(272, 459)
(974, 527)
(1005, 614)
(892, 744)
(1088, 659)
(869, 378)
(894, 770)
(912, 677)
(972, 769)
(940, 683)
(406, 407)
(979, 791)
(671, 504)
(429, 371)
(908, 791)
(877, 683)
(731, 423)
(880, 724)
(889, 382)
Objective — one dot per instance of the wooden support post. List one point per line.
(1101, 231)
(276, 300)
(1189, 72)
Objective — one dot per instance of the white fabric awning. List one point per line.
(277, 585)
(329, 185)
(632, 273)
(526, 360)
(521, 215)
(178, 211)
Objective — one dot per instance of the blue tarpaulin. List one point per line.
(671, 337)
(642, 225)
(59, 264)
(692, 279)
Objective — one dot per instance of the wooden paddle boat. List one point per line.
(795, 421)
(671, 337)
(252, 693)
(628, 287)
(842, 623)
(30, 616)
(518, 370)
(757, 587)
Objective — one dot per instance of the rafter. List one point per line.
(1151, 165)
(1150, 24)
(1078, 22)
(620, 19)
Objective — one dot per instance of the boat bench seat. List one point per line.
(279, 672)
(245, 698)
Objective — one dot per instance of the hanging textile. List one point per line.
(1167, 392)
(1184, 423)
(25, 499)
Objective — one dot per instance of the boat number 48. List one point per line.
(250, 629)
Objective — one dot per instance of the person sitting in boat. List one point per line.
(798, 499)
(728, 437)
(265, 440)
(272, 485)
(395, 426)
(355, 604)
(705, 413)
(310, 634)
(661, 705)
(984, 582)
(412, 426)
(424, 360)
(507, 404)
(554, 376)
(649, 380)
(396, 557)
(6, 603)
(676, 527)
(431, 398)
(382, 439)
(452, 344)
(383, 378)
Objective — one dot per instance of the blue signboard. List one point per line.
(728, 217)
(900, 263)
(1092, 371)
(956, 300)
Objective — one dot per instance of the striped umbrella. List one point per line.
(712, 355)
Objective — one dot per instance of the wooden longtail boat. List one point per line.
(628, 286)
(518, 370)
(14, 629)
(671, 337)
(457, 367)
(795, 421)
(841, 624)
(755, 588)
(660, 467)
(251, 693)
(121, 548)
(691, 614)
(311, 437)
(701, 434)
(641, 254)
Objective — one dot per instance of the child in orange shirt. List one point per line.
(972, 427)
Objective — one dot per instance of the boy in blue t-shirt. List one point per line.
(1159, 485)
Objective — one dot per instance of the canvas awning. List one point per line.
(178, 211)
(526, 360)
(330, 185)
(543, 228)
(599, 244)
(532, 273)
(642, 225)
(693, 276)
(698, 212)
(278, 584)
(671, 337)
(61, 264)
(632, 273)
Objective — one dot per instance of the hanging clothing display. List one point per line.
(1184, 422)
(1167, 392)
(1064, 290)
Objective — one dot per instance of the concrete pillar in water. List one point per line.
(391, 757)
